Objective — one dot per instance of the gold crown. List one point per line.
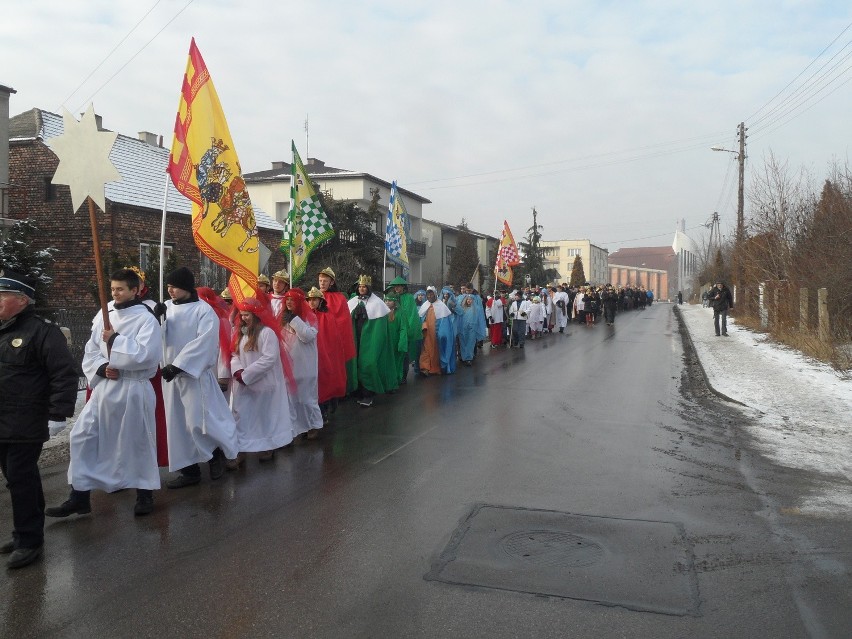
(281, 275)
(138, 272)
(365, 280)
(315, 293)
(225, 294)
(327, 271)
(262, 278)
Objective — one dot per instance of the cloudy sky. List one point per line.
(599, 114)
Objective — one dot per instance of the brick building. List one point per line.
(131, 224)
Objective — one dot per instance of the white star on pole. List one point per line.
(84, 162)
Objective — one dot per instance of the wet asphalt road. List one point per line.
(356, 535)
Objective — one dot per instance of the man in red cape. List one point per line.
(336, 327)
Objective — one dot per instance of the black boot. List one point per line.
(144, 502)
(76, 504)
(217, 464)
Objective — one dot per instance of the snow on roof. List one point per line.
(143, 174)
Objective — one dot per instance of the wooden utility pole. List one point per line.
(741, 157)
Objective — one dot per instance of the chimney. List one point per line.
(316, 163)
(5, 92)
(148, 138)
(99, 120)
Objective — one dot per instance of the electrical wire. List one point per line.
(108, 55)
(133, 57)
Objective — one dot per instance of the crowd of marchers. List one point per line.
(207, 379)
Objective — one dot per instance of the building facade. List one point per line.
(270, 189)
(441, 239)
(560, 255)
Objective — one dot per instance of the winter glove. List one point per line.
(160, 310)
(170, 371)
(56, 426)
(239, 376)
(101, 372)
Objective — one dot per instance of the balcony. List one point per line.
(416, 249)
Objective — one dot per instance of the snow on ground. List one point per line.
(799, 409)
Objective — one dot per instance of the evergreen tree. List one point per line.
(578, 275)
(465, 257)
(17, 254)
(533, 253)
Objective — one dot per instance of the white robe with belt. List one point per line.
(261, 405)
(300, 338)
(198, 418)
(113, 442)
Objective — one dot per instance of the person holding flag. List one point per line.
(396, 231)
(507, 257)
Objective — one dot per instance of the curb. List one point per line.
(713, 390)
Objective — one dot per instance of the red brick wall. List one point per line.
(122, 228)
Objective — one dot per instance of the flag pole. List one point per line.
(99, 267)
(163, 234)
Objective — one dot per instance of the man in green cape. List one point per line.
(406, 312)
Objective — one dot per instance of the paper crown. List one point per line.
(328, 271)
(365, 280)
(281, 275)
(315, 293)
(225, 294)
(262, 278)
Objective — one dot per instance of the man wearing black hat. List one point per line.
(38, 384)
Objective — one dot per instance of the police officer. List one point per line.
(38, 383)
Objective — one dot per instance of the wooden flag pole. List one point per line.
(99, 267)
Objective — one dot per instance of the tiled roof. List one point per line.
(654, 257)
(142, 167)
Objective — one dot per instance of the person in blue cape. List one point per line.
(439, 336)
(470, 325)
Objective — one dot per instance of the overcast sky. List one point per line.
(599, 114)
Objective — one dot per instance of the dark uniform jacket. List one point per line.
(721, 298)
(38, 378)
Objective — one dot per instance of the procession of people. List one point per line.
(202, 379)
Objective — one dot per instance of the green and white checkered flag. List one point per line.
(307, 224)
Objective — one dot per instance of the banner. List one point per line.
(203, 166)
(307, 224)
(397, 230)
(507, 256)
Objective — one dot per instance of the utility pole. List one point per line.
(741, 157)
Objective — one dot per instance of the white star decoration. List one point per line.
(84, 162)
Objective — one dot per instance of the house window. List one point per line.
(149, 253)
(449, 253)
(211, 274)
(575, 252)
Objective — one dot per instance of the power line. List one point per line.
(812, 62)
(100, 64)
(133, 57)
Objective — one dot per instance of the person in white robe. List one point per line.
(536, 317)
(259, 398)
(113, 442)
(561, 301)
(300, 339)
(199, 420)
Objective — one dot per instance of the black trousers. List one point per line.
(724, 316)
(19, 463)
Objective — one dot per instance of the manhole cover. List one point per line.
(551, 548)
(639, 564)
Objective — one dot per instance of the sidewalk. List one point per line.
(799, 408)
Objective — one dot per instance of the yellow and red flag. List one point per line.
(204, 167)
(507, 256)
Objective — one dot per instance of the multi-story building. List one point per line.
(270, 189)
(560, 255)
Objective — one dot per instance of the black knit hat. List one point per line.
(181, 278)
